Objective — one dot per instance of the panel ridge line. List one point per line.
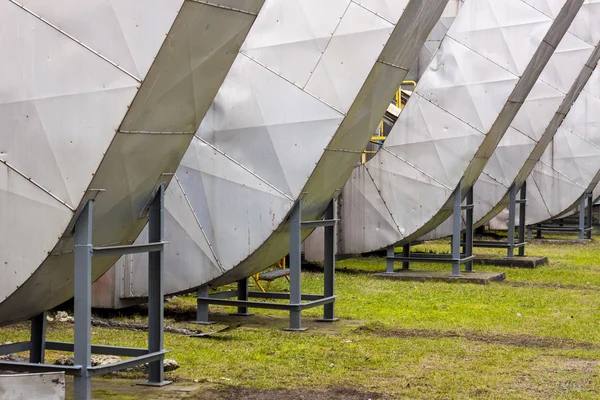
(327, 45)
(384, 202)
(221, 152)
(494, 179)
(88, 48)
(55, 197)
(448, 112)
(289, 81)
(561, 174)
(155, 133)
(416, 168)
(208, 3)
(373, 12)
(187, 200)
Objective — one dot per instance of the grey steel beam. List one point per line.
(38, 339)
(155, 289)
(83, 250)
(329, 263)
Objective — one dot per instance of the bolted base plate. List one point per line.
(154, 384)
(327, 319)
(294, 329)
(203, 322)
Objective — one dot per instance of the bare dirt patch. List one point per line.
(284, 394)
(500, 339)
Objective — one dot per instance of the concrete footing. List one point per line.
(515, 262)
(559, 241)
(481, 278)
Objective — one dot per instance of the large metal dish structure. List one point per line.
(570, 166)
(310, 85)
(486, 66)
(100, 100)
(538, 120)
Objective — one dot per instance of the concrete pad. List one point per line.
(481, 278)
(515, 262)
(559, 241)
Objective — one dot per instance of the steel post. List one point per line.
(456, 225)
(155, 288)
(242, 285)
(38, 339)
(329, 264)
(512, 210)
(590, 215)
(389, 263)
(406, 253)
(202, 308)
(582, 217)
(469, 231)
(83, 251)
(522, 218)
(295, 266)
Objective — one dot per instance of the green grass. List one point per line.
(534, 336)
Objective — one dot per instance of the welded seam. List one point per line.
(494, 179)
(293, 83)
(155, 133)
(374, 13)
(88, 48)
(449, 113)
(417, 168)
(36, 184)
(207, 3)
(562, 174)
(392, 65)
(187, 200)
(244, 168)
(384, 202)
(542, 197)
(581, 137)
(327, 45)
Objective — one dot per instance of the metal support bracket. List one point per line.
(457, 257)
(82, 347)
(297, 301)
(511, 244)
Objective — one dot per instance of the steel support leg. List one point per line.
(202, 308)
(469, 232)
(512, 210)
(522, 218)
(83, 301)
(389, 263)
(456, 225)
(295, 266)
(590, 216)
(329, 265)
(406, 253)
(156, 225)
(38, 339)
(582, 217)
(242, 286)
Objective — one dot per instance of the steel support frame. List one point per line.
(583, 228)
(457, 257)
(511, 244)
(295, 297)
(82, 347)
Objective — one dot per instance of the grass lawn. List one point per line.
(533, 336)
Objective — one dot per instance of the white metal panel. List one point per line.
(246, 203)
(65, 102)
(345, 65)
(478, 86)
(388, 9)
(296, 33)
